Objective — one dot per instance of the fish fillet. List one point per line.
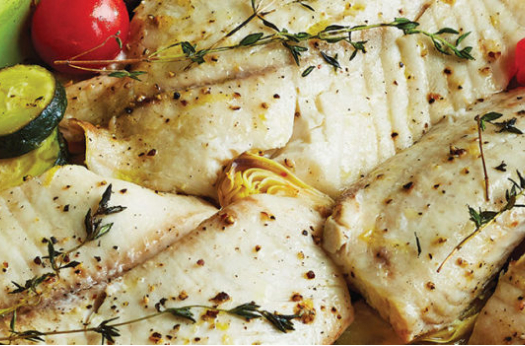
(501, 321)
(393, 230)
(259, 249)
(330, 127)
(54, 206)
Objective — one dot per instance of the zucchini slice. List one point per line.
(32, 103)
(15, 171)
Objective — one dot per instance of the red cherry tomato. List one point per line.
(62, 29)
(520, 62)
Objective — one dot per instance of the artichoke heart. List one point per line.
(251, 174)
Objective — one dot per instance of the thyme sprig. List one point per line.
(504, 126)
(293, 42)
(109, 329)
(59, 260)
(484, 218)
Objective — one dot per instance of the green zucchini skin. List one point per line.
(36, 131)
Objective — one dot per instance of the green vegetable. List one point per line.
(32, 103)
(15, 38)
(15, 171)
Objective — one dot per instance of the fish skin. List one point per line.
(345, 122)
(421, 195)
(256, 249)
(501, 320)
(55, 205)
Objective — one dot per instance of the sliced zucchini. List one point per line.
(15, 171)
(32, 103)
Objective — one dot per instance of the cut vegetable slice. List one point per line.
(15, 171)
(32, 103)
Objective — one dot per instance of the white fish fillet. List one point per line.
(392, 230)
(501, 321)
(55, 205)
(259, 249)
(334, 126)
(181, 145)
(157, 24)
(383, 101)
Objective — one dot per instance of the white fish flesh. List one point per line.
(54, 206)
(394, 229)
(501, 321)
(259, 249)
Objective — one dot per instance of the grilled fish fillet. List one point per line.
(501, 321)
(351, 120)
(392, 230)
(259, 249)
(332, 126)
(54, 206)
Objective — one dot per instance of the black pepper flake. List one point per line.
(200, 262)
(305, 233)
(394, 134)
(128, 110)
(454, 151)
(37, 260)
(502, 167)
(98, 258)
(152, 152)
(310, 275)
(220, 298)
(408, 186)
(66, 208)
(176, 95)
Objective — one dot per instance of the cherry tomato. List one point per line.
(520, 62)
(62, 29)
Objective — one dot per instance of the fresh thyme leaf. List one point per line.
(71, 264)
(331, 60)
(248, 311)
(462, 38)
(418, 244)
(307, 71)
(187, 48)
(131, 74)
(522, 179)
(31, 284)
(306, 6)
(31, 335)
(488, 118)
(251, 39)
(103, 230)
(406, 25)
(108, 332)
(12, 324)
(295, 51)
(508, 126)
(269, 24)
(117, 38)
(183, 312)
(447, 31)
(282, 322)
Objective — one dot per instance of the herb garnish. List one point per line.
(109, 331)
(291, 41)
(484, 218)
(504, 126)
(59, 260)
